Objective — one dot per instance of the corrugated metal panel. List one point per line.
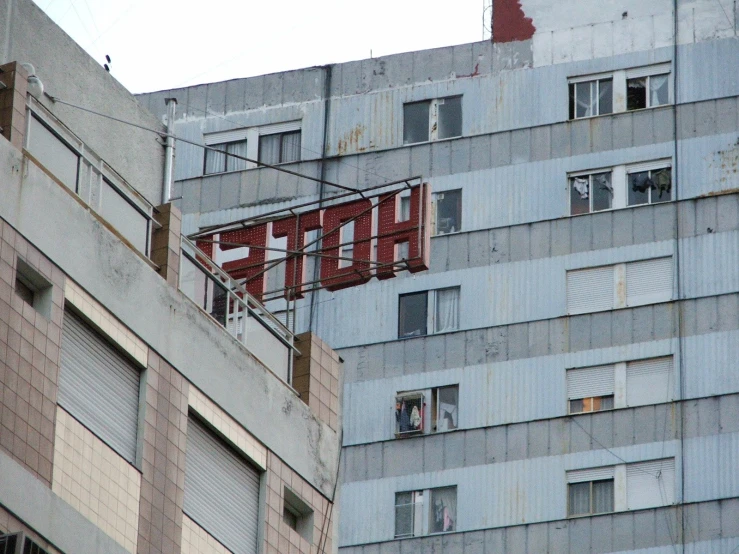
(99, 386)
(592, 474)
(649, 381)
(590, 381)
(648, 281)
(650, 484)
(590, 290)
(221, 490)
(710, 467)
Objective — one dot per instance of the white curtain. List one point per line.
(291, 147)
(447, 310)
(658, 90)
(215, 162)
(238, 148)
(269, 149)
(579, 498)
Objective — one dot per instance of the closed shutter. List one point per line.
(650, 484)
(649, 381)
(221, 490)
(590, 381)
(233, 135)
(99, 386)
(648, 281)
(591, 474)
(589, 290)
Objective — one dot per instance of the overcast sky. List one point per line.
(161, 44)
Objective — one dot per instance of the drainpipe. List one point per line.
(169, 150)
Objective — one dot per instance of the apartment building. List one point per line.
(562, 377)
(147, 400)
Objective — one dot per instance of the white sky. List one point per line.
(161, 44)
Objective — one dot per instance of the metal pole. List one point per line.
(169, 151)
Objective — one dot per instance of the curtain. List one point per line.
(269, 149)
(579, 498)
(443, 511)
(602, 496)
(446, 417)
(238, 148)
(215, 162)
(290, 147)
(447, 309)
(658, 90)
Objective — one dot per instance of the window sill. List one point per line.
(580, 516)
(431, 141)
(669, 104)
(610, 210)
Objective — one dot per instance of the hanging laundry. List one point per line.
(603, 181)
(581, 185)
(405, 420)
(663, 181)
(415, 419)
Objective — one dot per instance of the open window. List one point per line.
(425, 512)
(445, 408)
(648, 91)
(410, 409)
(448, 211)
(435, 119)
(433, 410)
(591, 192)
(649, 186)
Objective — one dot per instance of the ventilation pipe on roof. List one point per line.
(169, 150)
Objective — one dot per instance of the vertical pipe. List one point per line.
(169, 151)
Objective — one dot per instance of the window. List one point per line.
(619, 91)
(412, 411)
(11, 544)
(425, 512)
(437, 310)
(589, 98)
(630, 486)
(638, 382)
(650, 186)
(590, 193)
(279, 147)
(448, 211)
(432, 120)
(33, 288)
(297, 515)
(647, 92)
(126, 217)
(56, 154)
(619, 286)
(218, 162)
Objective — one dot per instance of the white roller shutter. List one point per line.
(99, 386)
(233, 135)
(648, 281)
(650, 484)
(590, 381)
(591, 474)
(221, 490)
(649, 381)
(590, 290)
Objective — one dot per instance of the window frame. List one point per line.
(432, 320)
(434, 104)
(430, 408)
(422, 510)
(572, 94)
(591, 483)
(590, 173)
(650, 167)
(282, 135)
(439, 197)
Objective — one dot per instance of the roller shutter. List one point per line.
(648, 281)
(650, 484)
(99, 386)
(590, 381)
(590, 290)
(649, 381)
(591, 474)
(221, 490)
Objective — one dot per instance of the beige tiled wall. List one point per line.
(230, 429)
(96, 481)
(316, 377)
(10, 524)
(103, 320)
(196, 540)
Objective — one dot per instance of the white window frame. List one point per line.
(656, 165)
(431, 300)
(620, 78)
(421, 500)
(430, 399)
(589, 173)
(591, 79)
(433, 128)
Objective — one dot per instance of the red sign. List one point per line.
(378, 235)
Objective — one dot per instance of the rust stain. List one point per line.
(474, 73)
(510, 23)
(349, 143)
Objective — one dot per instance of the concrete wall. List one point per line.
(68, 72)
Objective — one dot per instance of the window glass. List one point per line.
(447, 401)
(409, 413)
(658, 90)
(53, 153)
(416, 122)
(602, 496)
(405, 208)
(650, 186)
(448, 212)
(443, 510)
(450, 117)
(215, 161)
(404, 513)
(238, 148)
(590, 193)
(413, 314)
(447, 310)
(636, 93)
(605, 96)
(602, 191)
(579, 195)
(583, 99)
(290, 147)
(579, 499)
(269, 149)
(129, 222)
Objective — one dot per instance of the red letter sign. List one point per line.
(334, 277)
(294, 228)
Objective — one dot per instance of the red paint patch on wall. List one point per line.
(510, 23)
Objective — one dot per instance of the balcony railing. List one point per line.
(227, 302)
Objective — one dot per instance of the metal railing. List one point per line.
(243, 316)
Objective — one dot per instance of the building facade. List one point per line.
(562, 377)
(146, 399)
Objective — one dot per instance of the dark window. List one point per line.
(650, 187)
(33, 288)
(445, 407)
(412, 314)
(217, 161)
(8, 544)
(448, 212)
(591, 98)
(406, 505)
(590, 193)
(450, 117)
(24, 291)
(443, 510)
(280, 147)
(409, 414)
(590, 497)
(416, 122)
(31, 547)
(647, 92)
